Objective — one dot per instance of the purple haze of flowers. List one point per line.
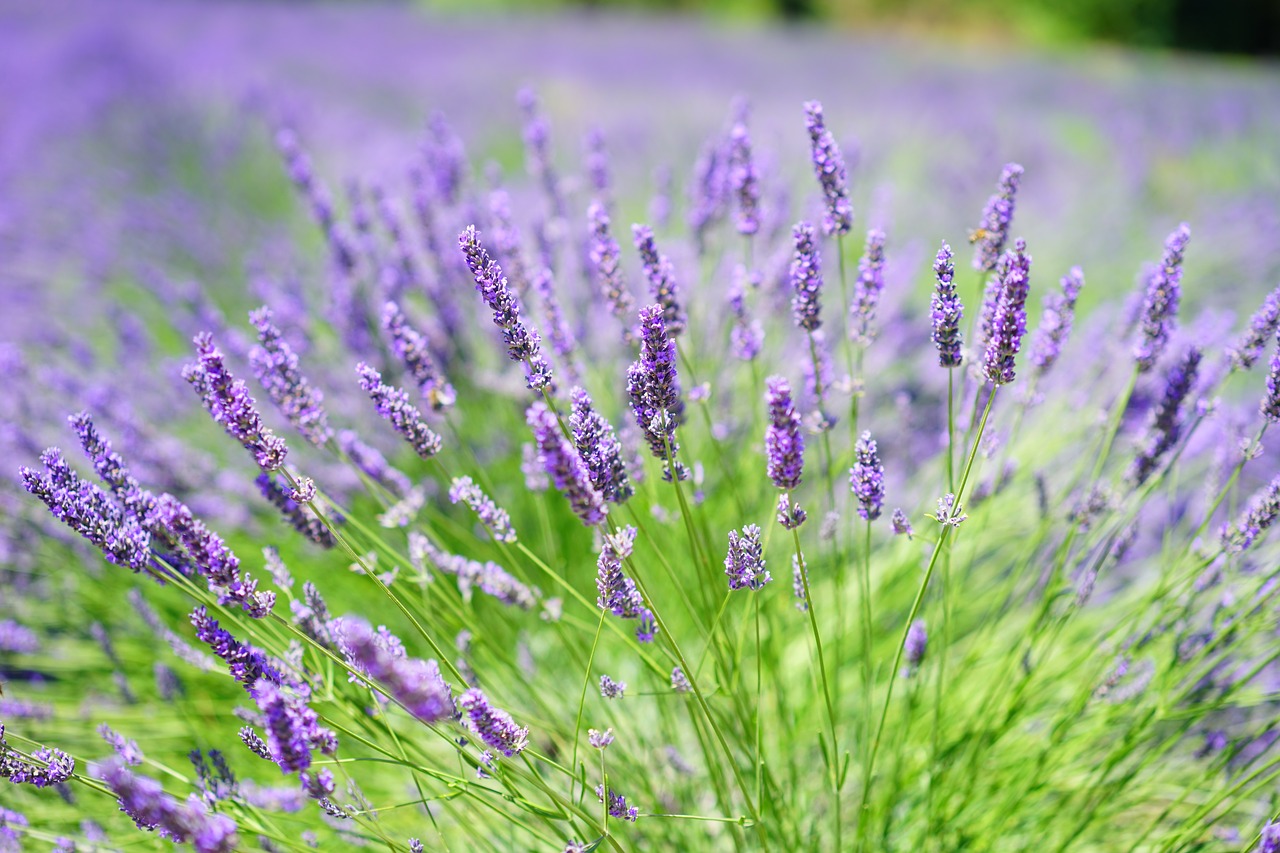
(783, 438)
(1160, 302)
(413, 350)
(246, 664)
(415, 684)
(151, 808)
(594, 438)
(866, 478)
(1270, 406)
(1009, 322)
(867, 289)
(917, 641)
(523, 345)
(292, 508)
(654, 388)
(618, 805)
(597, 163)
(494, 726)
(16, 639)
(747, 336)
(276, 365)
(393, 404)
(493, 517)
(565, 466)
(228, 401)
(604, 253)
(744, 180)
(990, 236)
(1263, 508)
(946, 310)
(1166, 422)
(1055, 322)
(617, 593)
(829, 168)
(806, 278)
(708, 191)
(661, 277)
(491, 578)
(48, 767)
(745, 564)
(372, 463)
(1246, 351)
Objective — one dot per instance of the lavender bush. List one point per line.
(473, 543)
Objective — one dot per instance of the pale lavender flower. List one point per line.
(275, 364)
(947, 311)
(1269, 838)
(1055, 322)
(413, 350)
(145, 801)
(829, 168)
(747, 336)
(1263, 508)
(680, 681)
(989, 237)
(866, 478)
(489, 578)
(789, 514)
(599, 739)
(745, 564)
(744, 180)
(1009, 321)
(901, 524)
(708, 191)
(597, 163)
(126, 748)
(616, 592)
(372, 463)
(917, 641)
(228, 401)
(565, 466)
(493, 517)
(604, 253)
(415, 684)
(1270, 405)
(618, 805)
(661, 277)
(806, 278)
(596, 443)
(948, 514)
(393, 404)
(1246, 351)
(654, 389)
(16, 639)
(294, 511)
(1160, 302)
(611, 689)
(867, 288)
(494, 726)
(797, 584)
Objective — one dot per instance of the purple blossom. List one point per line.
(393, 404)
(1165, 425)
(599, 739)
(708, 191)
(604, 254)
(806, 278)
(151, 808)
(867, 288)
(414, 683)
(611, 689)
(744, 180)
(680, 681)
(661, 278)
(747, 336)
(1269, 838)
(276, 365)
(917, 641)
(126, 748)
(490, 578)
(446, 157)
(829, 168)
(293, 728)
(616, 592)
(372, 463)
(493, 517)
(1246, 351)
(1055, 322)
(1263, 508)
(413, 350)
(797, 584)
(596, 443)
(1160, 302)
(745, 564)
(789, 514)
(494, 726)
(228, 401)
(565, 466)
(618, 805)
(654, 389)
(989, 237)
(1270, 405)
(522, 343)
(111, 468)
(293, 507)
(866, 478)
(16, 639)
(47, 766)
(901, 524)
(783, 439)
(947, 311)
(597, 162)
(1009, 321)
(246, 664)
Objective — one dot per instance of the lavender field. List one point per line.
(604, 432)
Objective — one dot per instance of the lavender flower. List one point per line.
(1263, 508)
(276, 365)
(866, 478)
(246, 664)
(708, 191)
(1246, 351)
(604, 254)
(446, 157)
(565, 466)
(797, 584)
(599, 739)
(293, 728)
(111, 468)
(494, 726)
(228, 401)
(292, 503)
(662, 283)
(618, 805)
(949, 514)
(596, 443)
(783, 440)
(492, 516)
(1160, 302)
(789, 514)
(413, 349)
(901, 524)
(654, 389)
(1270, 405)
(867, 289)
(680, 681)
(1055, 322)
(16, 639)
(829, 168)
(745, 564)
(393, 404)
(124, 747)
(611, 689)
(414, 683)
(616, 592)
(1009, 322)
(372, 463)
(806, 278)
(522, 343)
(747, 336)
(1165, 425)
(151, 808)
(917, 640)
(489, 578)
(991, 235)
(1269, 838)
(744, 180)
(255, 744)
(47, 766)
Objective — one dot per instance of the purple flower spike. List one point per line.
(661, 277)
(1009, 320)
(783, 438)
(228, 401)
(151, 808)
(393, 404)
(413, 349)
(745, 563)
(616, 592)
(806, 278)
(829, 168)
(293, 728)
(744, 180)
(414, 683)
(522, 343)
(492, 516)
(562, 462)
(604, 253)
(294, 510)
(901, 524)
(866, 478)
(276, 365)
(1269, 838)
(867, 289)
(1263, 508)
(1245, 352)
(594, 438)
(495, 726)
(246, 664)
(917, 641)
(618, 805)
(989, 237)
(1160, 303)
(790, 515)
(51, 767)
(1270, 406)
(654, 388)
(1165, 426)
(947, 311)
(1055, 322)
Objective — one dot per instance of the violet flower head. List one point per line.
(48, 766)
(617, 805)
(565, 466)
(228, 401)
(1009, 323)
(1261, 513)
(783, 438)
(829, 168)
(1270, 406)
(680, 681)
(111, 468)
(275, 364)
(917, 641)
(790, 514)
(616, 592)
(494, 726)
(1160, 302)
(610, 689)
(867, 289)
(744, 180)
(806, 278)
(413, 350)
(493, 517)
(393, 404)
(415, 684)
(990, 236)
(1166, 421)
(653, 387)
(746, 339)
(1246, 351)
(145, 801)
(295, 511)
(947, 311)
(523, 344)
(661, 277)
(246, 664)
(596, 443)
(1055, 322)
(1269, 839)
(293, 728)
(901, 524)
(866, 478)
(745, 564)
(708, 191)
(604, 253)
